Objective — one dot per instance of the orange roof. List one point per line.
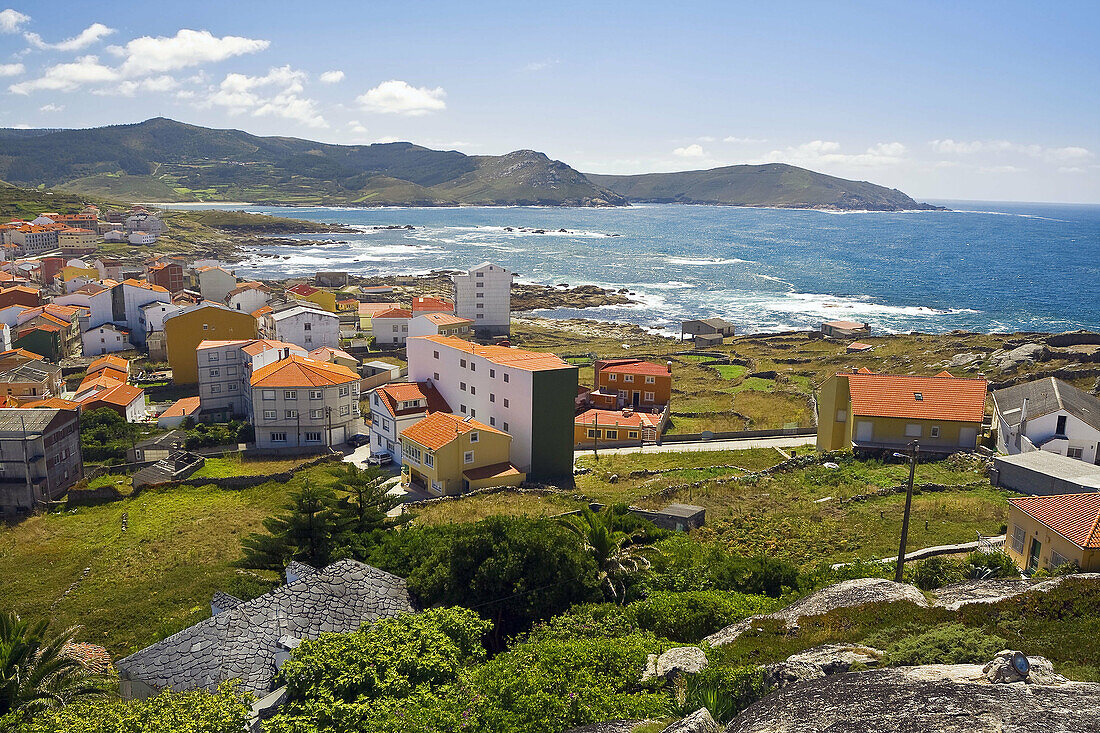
(446, 319)
(120, 394)
(615, 418)
(21, 289)
(434, 304)
(182, 408)
(21, 353)
(647, 368)
(369, 309)
(859, 346)
(300, 371)
(503, 355)
(1074, 516)
(100, 381)
(210, 343)
(144, 284)
(56, 403)
(393, 394)
(263, 310)
(116, 362)
(303, 289)
(48, 327)
(439, 428)
(930, 398)
(259, 346)
(327, 353)
(345, 301)
(393, 313)
(844, 324)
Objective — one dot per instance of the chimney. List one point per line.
(1023, 412)
(669, 364)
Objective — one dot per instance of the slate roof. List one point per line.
(1074, 516)
(1045, 396)
(241, 643)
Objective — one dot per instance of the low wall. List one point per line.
(780, 433)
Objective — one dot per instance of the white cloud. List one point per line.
(1069, 153)
(11, 69)
(399, 97)
(332, 77)
(67, 77)
(357, 127)
(148, 55)
(388, 139)
(828, 152)
(705, 139)
(1071, 169)
(690, 151)
(85, 38)
(742, 140)
(276, 94)
(1002, 169)
(1066, 154)
(51, 108)
(10, 20)
(540, 65)
(130, 87)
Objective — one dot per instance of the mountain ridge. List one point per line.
(165, 160)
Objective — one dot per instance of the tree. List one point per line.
(105, 435)
(616, 552)
(305, 532)
(362, 510)
(34, 674)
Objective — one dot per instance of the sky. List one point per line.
(975, 100)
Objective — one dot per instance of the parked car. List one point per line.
(357, 440)
(379, 459)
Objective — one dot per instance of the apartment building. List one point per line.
(225, 373)
(391, 327)
(39, 456)
(396, 407)
(76, 242)
(484, 295)
(307, 326)
(184, 331)
(529, 395)
(298, 402)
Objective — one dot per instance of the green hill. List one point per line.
(164, 160)
(773, 184)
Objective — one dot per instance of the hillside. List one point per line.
(164, 160)
(775, 184)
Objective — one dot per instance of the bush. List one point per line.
(690, 616)
(105, 436)
(686, 565)
(992, 565)
(198, 711)
(936, 572)
(950, 644)
(723, 691)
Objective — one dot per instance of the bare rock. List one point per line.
(965, 359)
(1009, 361)
(848, 593)
(611, 726)
(820, 661)
(956, 595)
(941, 698)
(698, 722)
(675, 662)
(1000, 670)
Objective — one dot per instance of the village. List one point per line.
(130, 377)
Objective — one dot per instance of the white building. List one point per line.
(395, 407)
(311, 328)
(225, 372)
(1050, 415)
(299, 402)
(144, 238)
(528, 394)
(215, 283)
(105, 339)
(151, 315)
(484, 295)
(248, 297)
(391, 327)
(439, 324)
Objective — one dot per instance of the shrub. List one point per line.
(690, 616)
(723, 691)
(685, 565)
(198, 711)
(992, 565)
(950, 644)
(936, 572)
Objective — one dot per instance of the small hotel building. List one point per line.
(448, 454)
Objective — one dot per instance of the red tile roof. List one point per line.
(114, 362)
(1074, 516)
(303, 289)
(393, 394)
(928, 398)
(615, 418)
(393, 313)
(503, 355)
(647, 368)
(432, 304)
(121, 395)
(182, 408)
(300, 371)
(369, 309)
(446, 319)
(440, 428)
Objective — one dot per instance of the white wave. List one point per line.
(708, 261)
(670, 285)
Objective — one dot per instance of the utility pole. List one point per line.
(914, 448)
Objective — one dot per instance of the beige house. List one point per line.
(449, 454)
(1049, 531)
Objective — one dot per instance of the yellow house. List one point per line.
(71, 272)
(184, 331)
(449, 454)
(1048, 531)
(882, 412)
(323, 298)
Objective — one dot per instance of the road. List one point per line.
(791, 441)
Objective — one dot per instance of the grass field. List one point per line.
(144, 583)
(473, 508)
(233, 466)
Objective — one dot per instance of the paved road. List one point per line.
(792, 441)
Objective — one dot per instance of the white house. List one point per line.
(311, 328)
(248, 297)
(225, 371)
(145, 238)
(530, 395)
(1048, 414)
(395, 407)
(215, 282)
(391, 327)
(151, 315)
(439, 324)
(484, 295)
(105, 339)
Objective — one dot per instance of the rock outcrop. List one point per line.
(1009, 361)
(818, 662)
(841, 595)
(1002, 671)
(940, 698)
(956, 595)
(698, 722)
(675, 662)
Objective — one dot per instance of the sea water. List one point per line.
(990, 267)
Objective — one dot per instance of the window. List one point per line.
(206, 327)
(345, 391)
(313, 437)
(613, 377)
(290, 394)
(505, 401)
(435, 376)
(316, 394)
(278, 437)
(230, 355)
(650, 380)
(462, 409)
(231, 370)
(492, 373)
(307, 326)
(648, 396)
(269, 414)
(841, 415)
(215, 372)
(505, 376)
(345, 409)
(632, 434)
(492, 397)
(468, 457)
(628, 377)
(232, 386)
(473, 366)
(480, 305)
(212, 356)
(473, 436)
(505, 426)
(215, 388)
(912, 430)
(412, 452)
(492, 421)
(462, 386)
(591, 433)
(376, 400)
(480, 315)
(612, 434)
(481, 285)
(479, 274)
(1061, 428)
(918, 397)
(473, 412)
(1018, 539)
(473, 389)
(934, 431)
(462, 363)
(481, 295)
(1057, 559)
(429, 460)
(269, 394)
(1075, 452)
(318, 414)
(291, 414)
(395, 329)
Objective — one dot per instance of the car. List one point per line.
(357, 440)
(379, 459)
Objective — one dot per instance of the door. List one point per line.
(635, 402)
(968, 437)
(863, 431)
(1033, 556)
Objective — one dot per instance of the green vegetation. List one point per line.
(233, 465)
(186, 712)
(105, 436)
(209, 435)
(950, 644)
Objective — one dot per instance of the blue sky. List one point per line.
(995, 101)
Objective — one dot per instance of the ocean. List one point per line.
(991, 267)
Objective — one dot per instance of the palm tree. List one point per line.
(34, 673)
(616, 553)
